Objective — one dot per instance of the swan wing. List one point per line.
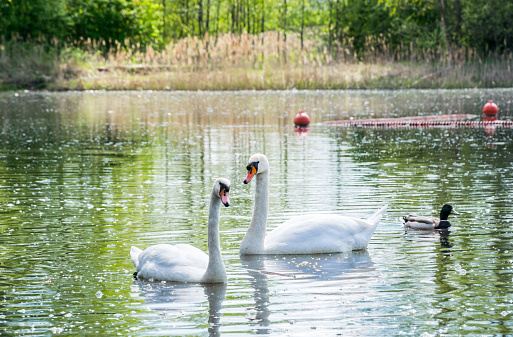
(180, 263)
(319, 233)
(134, 255)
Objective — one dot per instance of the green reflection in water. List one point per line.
(85, 175)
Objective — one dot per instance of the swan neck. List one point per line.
(261, 202)
(253, 242)
(215, 271)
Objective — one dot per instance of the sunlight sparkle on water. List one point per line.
(86, 175)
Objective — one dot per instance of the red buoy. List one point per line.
(490, 118)
(301, 130)
(301, 119)
(490, 109)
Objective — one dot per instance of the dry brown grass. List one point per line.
(268, 61)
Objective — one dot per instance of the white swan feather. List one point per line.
(183, 262)
(304, 234)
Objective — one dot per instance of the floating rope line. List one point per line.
(457, 120)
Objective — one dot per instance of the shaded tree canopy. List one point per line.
(480, 25)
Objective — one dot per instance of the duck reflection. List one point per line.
(444, 238)
(175, 298)
(442, 234)
(298, 267)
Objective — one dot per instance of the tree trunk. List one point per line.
(218, 9)
(233, 17)
(237, 15)
(207, 23)
(200, 17)
(262, 24)
(284, 20)
(457, 7)
(262, 30)
(187, 13)
(285, 30)
(164, 21)
(329, 25)
(444, 25)
(302, 22)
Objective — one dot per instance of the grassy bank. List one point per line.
(246, 62)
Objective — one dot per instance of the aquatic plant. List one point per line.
(262, 61)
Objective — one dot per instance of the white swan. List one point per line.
(182, 262)
(305, 234)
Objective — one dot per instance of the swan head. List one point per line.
(257, 164)
(221, 189)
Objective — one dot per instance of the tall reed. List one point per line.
(263, 61)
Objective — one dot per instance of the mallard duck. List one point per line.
(429, 222)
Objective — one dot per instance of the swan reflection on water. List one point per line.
(174, 299)
(289, 269)
(326, 280)
(317, 266)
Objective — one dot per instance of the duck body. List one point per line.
(183, 262)
(428, 222)
(304, 234)
(424, 224)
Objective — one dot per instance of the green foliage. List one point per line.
(481, 25)
(112, 22)
(417, 23)
(33, 19)
(361, 25)
(487, 25)
(360, 22)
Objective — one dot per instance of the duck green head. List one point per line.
(446, 210)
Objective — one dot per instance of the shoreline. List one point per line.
(367, 77)
(25, 90)
(390, 76)
(246, 63)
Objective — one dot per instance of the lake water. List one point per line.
(84, 176)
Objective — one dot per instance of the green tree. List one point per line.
(487, 25)
(110, 22)
(34, 19)
(358, 25)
